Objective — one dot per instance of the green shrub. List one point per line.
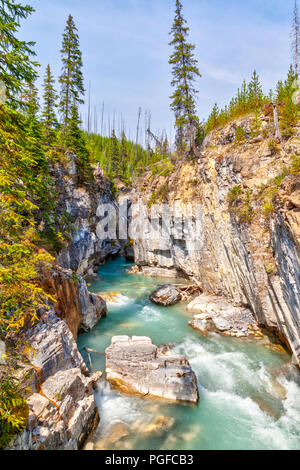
(240, 204)
(234, 193)
(274, 148)
(239, 135)
(158, 195)
(13, 409)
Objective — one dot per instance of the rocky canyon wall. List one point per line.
(241, 241)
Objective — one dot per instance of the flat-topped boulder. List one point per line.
(136, 366)
(216, 314)
(166, 295)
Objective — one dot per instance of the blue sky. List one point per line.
(125, 49)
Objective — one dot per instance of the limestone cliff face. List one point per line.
(62, 408)
(243, 246)
(81, 207)
(80, 309)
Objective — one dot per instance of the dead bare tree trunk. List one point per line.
(276, 123)
(89, 111)
(102, 119)
(138, 131)
(296, 38)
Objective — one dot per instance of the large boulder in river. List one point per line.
(166, 295)
(216, 314)
(136, 366)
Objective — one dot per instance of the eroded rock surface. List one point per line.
(245, 242)
(83, 207)
(80, 309)
(62, 408)
(136, 366)
(166, 295)
(218, 315)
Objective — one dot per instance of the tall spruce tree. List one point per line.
(33, 125)
(290, 112)
(75, 141)
(185, 71)
(50, 98)
(16, 65)
(213, 119)
(71, 79)
(255, 93)
(115, 167)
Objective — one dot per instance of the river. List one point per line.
(240, 406)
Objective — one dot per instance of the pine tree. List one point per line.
(296, 38)
(16, 64)
(115, 156)
(123, 152)
(255, 93)
(30, 99)
(71, 79)
(244, 98)
(279, 91)
(290, 109)
(50, 104)
(213, 119)
(75, 141)
(33, 126)
(185, 71)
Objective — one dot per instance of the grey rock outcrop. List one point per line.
(239, 251)
(81, 207)
(62, 408)
(80, 309)
(215, 314)
(136, 366)
(166, 295)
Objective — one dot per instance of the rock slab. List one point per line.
(136, 366)
(62, 407)
(166, 295)
(216, 314)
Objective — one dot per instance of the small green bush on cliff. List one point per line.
(240, 204)
(239, 135)
(158, 195)
(13, 408)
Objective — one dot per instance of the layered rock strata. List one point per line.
(136, 366)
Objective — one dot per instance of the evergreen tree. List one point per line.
(16, 65)
(115, 169)
(49, 106)
(123, 152)
(255, 93)
(213, 119)
(290, 110)
(185, 71)
(279, 91)
(30, 99)
(244, 98)
(200, 134)
(33, 126)
(75, 141)
(71, 79)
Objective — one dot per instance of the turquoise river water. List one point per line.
(240, 406)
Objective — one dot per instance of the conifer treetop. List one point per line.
(71, 79)
(16, 65)
(185, 71)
